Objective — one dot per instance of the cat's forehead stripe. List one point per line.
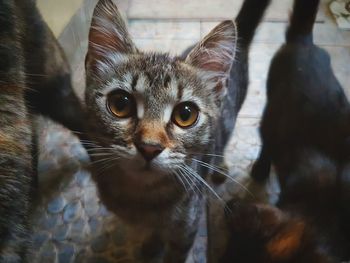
(134, 82)
(187, 95)
(167, 80)
(167, 113)
(140, 108)
(114, 84)
(180, 90)
(141, 83)
(127, 79)
(172, 89)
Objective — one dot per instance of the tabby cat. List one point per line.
(152, 117)
(34, 78)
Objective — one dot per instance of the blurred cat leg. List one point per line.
(262, 166)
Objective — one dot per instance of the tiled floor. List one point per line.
(72, 224)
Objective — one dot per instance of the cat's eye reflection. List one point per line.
(185, 114)
(121, 104)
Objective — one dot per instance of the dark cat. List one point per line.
(306, 226)
(149, 116)
(34, 78)
(304, 132)
(306, 106)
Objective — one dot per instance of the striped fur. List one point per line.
(158, 82)
(15, 142)
(34, 78)
(164, 195)
(153, 194)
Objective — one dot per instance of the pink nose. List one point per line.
(149, 151)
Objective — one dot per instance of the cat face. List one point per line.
(151, 110)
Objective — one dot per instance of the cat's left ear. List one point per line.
(214, 55)
(109, 40)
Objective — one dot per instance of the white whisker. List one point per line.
(101, 160)
(203, 182)
(178, 176)
(216, 169)
(191, 182)
(99, 154)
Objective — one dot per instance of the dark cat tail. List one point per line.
(302, 21)
(249, 18)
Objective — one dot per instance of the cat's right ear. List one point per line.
(109, 40)
(215, 54)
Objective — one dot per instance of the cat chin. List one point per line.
(142, 176)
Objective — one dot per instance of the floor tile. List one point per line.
(340, 59)
(174, 47)
(153, 29)
(203, 9)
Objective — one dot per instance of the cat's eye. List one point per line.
(185, 114)
(121, 104)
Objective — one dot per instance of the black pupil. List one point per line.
(122, 102)
(185, 113)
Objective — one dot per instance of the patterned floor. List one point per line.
(71, 224)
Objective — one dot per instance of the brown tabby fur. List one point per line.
(161, 196)
(164, 195)
(34, 78)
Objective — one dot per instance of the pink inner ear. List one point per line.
(211, 58)
(100, 41)
(206, 64)
(107, 34)
(98, 44)
(216, 52)
(215, 56)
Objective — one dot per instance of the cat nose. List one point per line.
(149, 151)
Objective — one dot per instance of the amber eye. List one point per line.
(185, 114)
(121, 104)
